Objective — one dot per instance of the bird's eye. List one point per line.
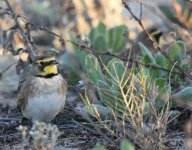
(41, 63)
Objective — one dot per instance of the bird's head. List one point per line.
(45, 66)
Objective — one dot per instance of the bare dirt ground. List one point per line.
(73, 134)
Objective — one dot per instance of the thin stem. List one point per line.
(24, 35)
(151, 39)
(94, 51)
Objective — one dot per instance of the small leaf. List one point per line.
(105, 93)
(147, 52)
(92, 35)
(81, 55)
(185, 94)
(146, 59)
(116, 72)
(183, 98)
(177, 51)
(117, 38)
(100, 44)
(93, 68)
(101, 28)
(109, 96)
(125, 145)
(160, 59)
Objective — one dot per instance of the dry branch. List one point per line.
(26, 35)
(88, 49)
(151, 39)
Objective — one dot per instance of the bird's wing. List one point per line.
(63, 89)
(22, 92)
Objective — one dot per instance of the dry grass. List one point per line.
(136, 115)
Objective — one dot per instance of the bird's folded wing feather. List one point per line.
(22, 91)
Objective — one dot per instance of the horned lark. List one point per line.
(42, 94)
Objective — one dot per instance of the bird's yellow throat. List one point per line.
(48, 70)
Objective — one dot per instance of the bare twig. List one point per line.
(97, 53)
(151, 39)
(141, 11)
(89, 49)
(25, 36)
(143, 28)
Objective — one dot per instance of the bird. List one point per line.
(42, 94)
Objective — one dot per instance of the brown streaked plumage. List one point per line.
(42, 97)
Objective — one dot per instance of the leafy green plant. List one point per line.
(183, 98)
(93, 68)
(166, 81)
(112, 39)
(135, 104)
(176, 54)
(104, 39)
(125, 145)
(107, 81)
(137, 96)
(114, 83)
